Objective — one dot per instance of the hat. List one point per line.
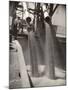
(28, 19)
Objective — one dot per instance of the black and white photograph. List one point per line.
(37, 44)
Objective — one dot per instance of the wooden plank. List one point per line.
(23, 70)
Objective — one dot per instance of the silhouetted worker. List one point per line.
(29, 25)
(16, 27)
(32, 48)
